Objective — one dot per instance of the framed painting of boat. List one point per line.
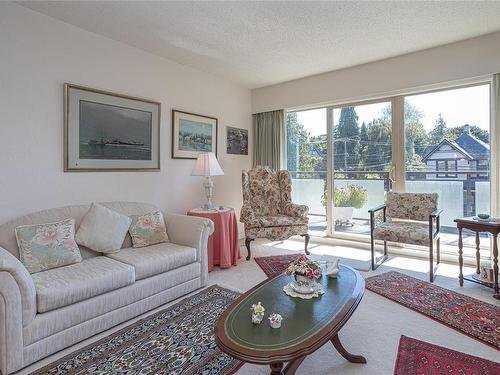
(105, 131)
(192, 134)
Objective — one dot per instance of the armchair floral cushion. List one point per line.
(268, 211)
(411, 206)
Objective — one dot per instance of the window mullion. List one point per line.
(398, 144)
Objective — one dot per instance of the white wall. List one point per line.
(457, 61)
(38, 54)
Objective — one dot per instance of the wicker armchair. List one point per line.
(410, 218)
(268, 211)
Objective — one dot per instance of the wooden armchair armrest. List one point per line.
(373, 211)
(436, 213)
(378, 208)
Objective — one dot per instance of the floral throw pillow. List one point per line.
(148, 229)
(46, 246)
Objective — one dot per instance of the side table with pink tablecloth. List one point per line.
(223, 244)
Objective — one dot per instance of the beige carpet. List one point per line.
(373, 330)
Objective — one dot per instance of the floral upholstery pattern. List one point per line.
(276, 233)
(264, 191)
(281, 221)
(148, 229)
(403, 232)
(46, 246)
(268, 210)
(411, 206)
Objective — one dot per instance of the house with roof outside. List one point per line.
(449, 158)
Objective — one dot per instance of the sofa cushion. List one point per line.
(66, 285)
(102, 229)
(46, 246)
(155, 259)
(148, 229)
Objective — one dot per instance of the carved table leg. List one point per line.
(495, 267)
(247, 244)
(344, 353)
(478, 254)
(292, 366)
(460, 257)
(276, 368)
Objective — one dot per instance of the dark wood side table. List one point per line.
(493, 227)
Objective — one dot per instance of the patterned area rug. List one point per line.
(468, 315)
(418, 357)
(276, 264)
(179, 340)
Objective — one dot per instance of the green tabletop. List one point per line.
(302, 318)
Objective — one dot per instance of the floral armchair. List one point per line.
(410, 218)
(268, 211)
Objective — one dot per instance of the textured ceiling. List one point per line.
(256, 44)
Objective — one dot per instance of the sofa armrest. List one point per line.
(11, 265)
(191, 231)
(11, 325)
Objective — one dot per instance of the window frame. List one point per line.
(398, 170)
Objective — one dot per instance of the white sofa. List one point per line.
(45, 312)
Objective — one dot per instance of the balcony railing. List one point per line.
(464, 195)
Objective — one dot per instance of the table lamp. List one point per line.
(207, 165)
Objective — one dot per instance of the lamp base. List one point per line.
(209, 187)
(209, 207)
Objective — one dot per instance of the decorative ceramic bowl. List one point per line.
(303, 284)
(483, 216)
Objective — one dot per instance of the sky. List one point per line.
(470, 105)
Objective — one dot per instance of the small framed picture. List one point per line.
(192, 134)
(236, 141)
(105, 131)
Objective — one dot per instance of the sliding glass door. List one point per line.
(361, 149)
(344, 159)
(306, 161)
(447, 151)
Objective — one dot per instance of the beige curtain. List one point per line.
(269, 136)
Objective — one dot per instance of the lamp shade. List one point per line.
(207, 165)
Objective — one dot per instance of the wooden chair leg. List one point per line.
(373, 252)
(438, 250)
(431, 261)
(306, 238)
(247, 244)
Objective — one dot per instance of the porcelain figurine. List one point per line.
(333, 268)
(275, 320)
(257, 313)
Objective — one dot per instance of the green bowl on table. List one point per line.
(483, 216)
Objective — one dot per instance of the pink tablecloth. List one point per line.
(223, 244)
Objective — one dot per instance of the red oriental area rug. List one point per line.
(417, 357)
(276, 264)
(468, 315)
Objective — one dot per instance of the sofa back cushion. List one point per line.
(103, 230)
(46, 246)
(77, 212)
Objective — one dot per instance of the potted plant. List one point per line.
(346, 199)
(305, 272)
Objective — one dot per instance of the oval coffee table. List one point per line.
(307, 324)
